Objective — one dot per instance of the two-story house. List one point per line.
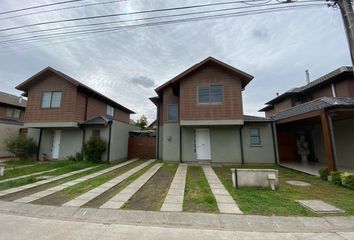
(12, 110)
(63, 113)
(200, 118)
(322, 113)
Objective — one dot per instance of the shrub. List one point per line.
(75, 158)
(94, 149)
(21, 147)
(348, 180)
(336, 177)
(324, 173)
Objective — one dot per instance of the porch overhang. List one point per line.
(51, 125)
(211, 122)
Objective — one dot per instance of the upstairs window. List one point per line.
(210, 94)
(110, 111)
(51, 100)
(172, 112)
(255, 136)
(13, 113)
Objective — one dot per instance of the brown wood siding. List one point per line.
(283, 105)
(345, 88)
(350, 87)
(121, 116)
(3, 111)
(270, 113)
(322, 92)
(80, 106)
(65, 113)
(231, 108)
(168, 98)
(97, 108)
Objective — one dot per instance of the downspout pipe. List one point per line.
(241, 145)
(158, 130)
(39, 144)
(109, 141)
(275, 143)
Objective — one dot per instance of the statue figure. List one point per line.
(302, 146)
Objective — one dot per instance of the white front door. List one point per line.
(56, 144)
(203, 143)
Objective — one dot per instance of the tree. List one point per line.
(142, 122)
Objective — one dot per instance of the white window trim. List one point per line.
(259, 136)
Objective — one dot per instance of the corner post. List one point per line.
(328, 140)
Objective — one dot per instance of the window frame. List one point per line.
(14, 110)
(258, 135)
(168, 113)
(51, 99)
(112, 108)
(209, 88)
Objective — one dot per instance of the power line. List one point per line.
(61, 9)
(125, 14)
(129, 27)
(39, 6)
(149, 18)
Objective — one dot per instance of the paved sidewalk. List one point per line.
(26, 221)
(44, 193)
(224, 200)
(32, 185)
(88, 196)
(174, 199)
(28, 175)
(123, 196)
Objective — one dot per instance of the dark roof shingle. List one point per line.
(12, 100)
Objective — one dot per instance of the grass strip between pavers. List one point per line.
(198, 196)
(104, 197)
(39, 167)
(67, 194)
(159, 185)
(67, 169)
(282, 202)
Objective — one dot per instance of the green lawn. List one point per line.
(38, 167)
(69, 167)
(282, 202)
(198, 196)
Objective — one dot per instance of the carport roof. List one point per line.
(317, 104)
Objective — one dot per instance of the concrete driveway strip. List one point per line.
(28, 175)
(60, 187)
(88, 196)
(123, 196)
(224, 200)
(24, 187)
(174, 199)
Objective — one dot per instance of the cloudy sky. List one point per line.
(276, 48)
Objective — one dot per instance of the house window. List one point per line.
(172, 112)
(51, 99)
(17, 114)
(110, 111)
(255, 136)
(13, 113)
(96, 133)
(210, 94)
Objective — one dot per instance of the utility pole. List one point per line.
(346, 10)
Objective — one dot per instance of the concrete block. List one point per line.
(255, 178)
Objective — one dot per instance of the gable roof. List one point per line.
(317, 104)
(325, 79)
(12, 100)
(24, 86)
(245, 77)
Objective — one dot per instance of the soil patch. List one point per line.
(151, 196)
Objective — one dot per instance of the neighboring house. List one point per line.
(153, 125)
(323, 111)
(12, 110)
(200, 118)
(64, 113)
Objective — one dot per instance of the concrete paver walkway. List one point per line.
(44, 193)
(10, 167)
(123, 196)
(32, 185)
(174, 199)
(88, 196)
(28, 175)
(224, 200)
